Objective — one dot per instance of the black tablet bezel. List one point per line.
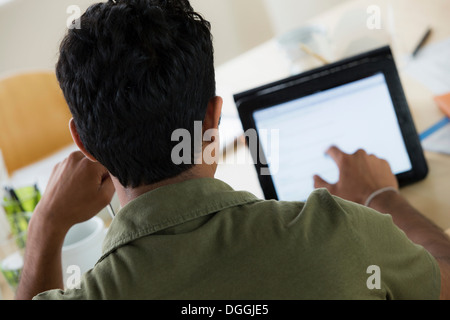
(327, 77)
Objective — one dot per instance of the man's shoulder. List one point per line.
(320, 205)
(323, 217)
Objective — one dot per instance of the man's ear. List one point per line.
(213, 114)
(78, 142)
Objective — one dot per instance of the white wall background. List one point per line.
(285, 15)
(237, 25)
(30, 30)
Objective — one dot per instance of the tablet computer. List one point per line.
(356, 103)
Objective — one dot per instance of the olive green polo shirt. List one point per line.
(200, 239)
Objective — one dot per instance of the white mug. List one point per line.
(82, 248)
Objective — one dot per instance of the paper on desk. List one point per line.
(431, 66)
(437, 138)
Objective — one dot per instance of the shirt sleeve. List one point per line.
(407, 271)
(80, 293)
(91, 287)
(108, 280)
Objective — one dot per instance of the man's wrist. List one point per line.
(384, 201)
(44, 226)
(378, 193)
(42, 269)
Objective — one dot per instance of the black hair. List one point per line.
(133, 73)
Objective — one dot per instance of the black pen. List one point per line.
(422, 42)
(36, 195)
(111, 211)
(16, 199)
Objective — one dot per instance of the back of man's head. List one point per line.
(134, 72)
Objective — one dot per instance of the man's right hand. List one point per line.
(360, 175)
(77, 190)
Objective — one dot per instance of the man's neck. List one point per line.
(127, 195)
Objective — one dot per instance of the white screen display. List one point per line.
(358, 115)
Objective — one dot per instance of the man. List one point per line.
(134, 73)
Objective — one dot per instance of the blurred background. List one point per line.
(256, 42)
(30, 30)
(34, 115)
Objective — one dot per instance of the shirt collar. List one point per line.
(170, 206)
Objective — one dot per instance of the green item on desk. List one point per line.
(11, 268)
(26, 198)
(19, 205)
(19, 224)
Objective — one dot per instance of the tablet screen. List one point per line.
(357, 115)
